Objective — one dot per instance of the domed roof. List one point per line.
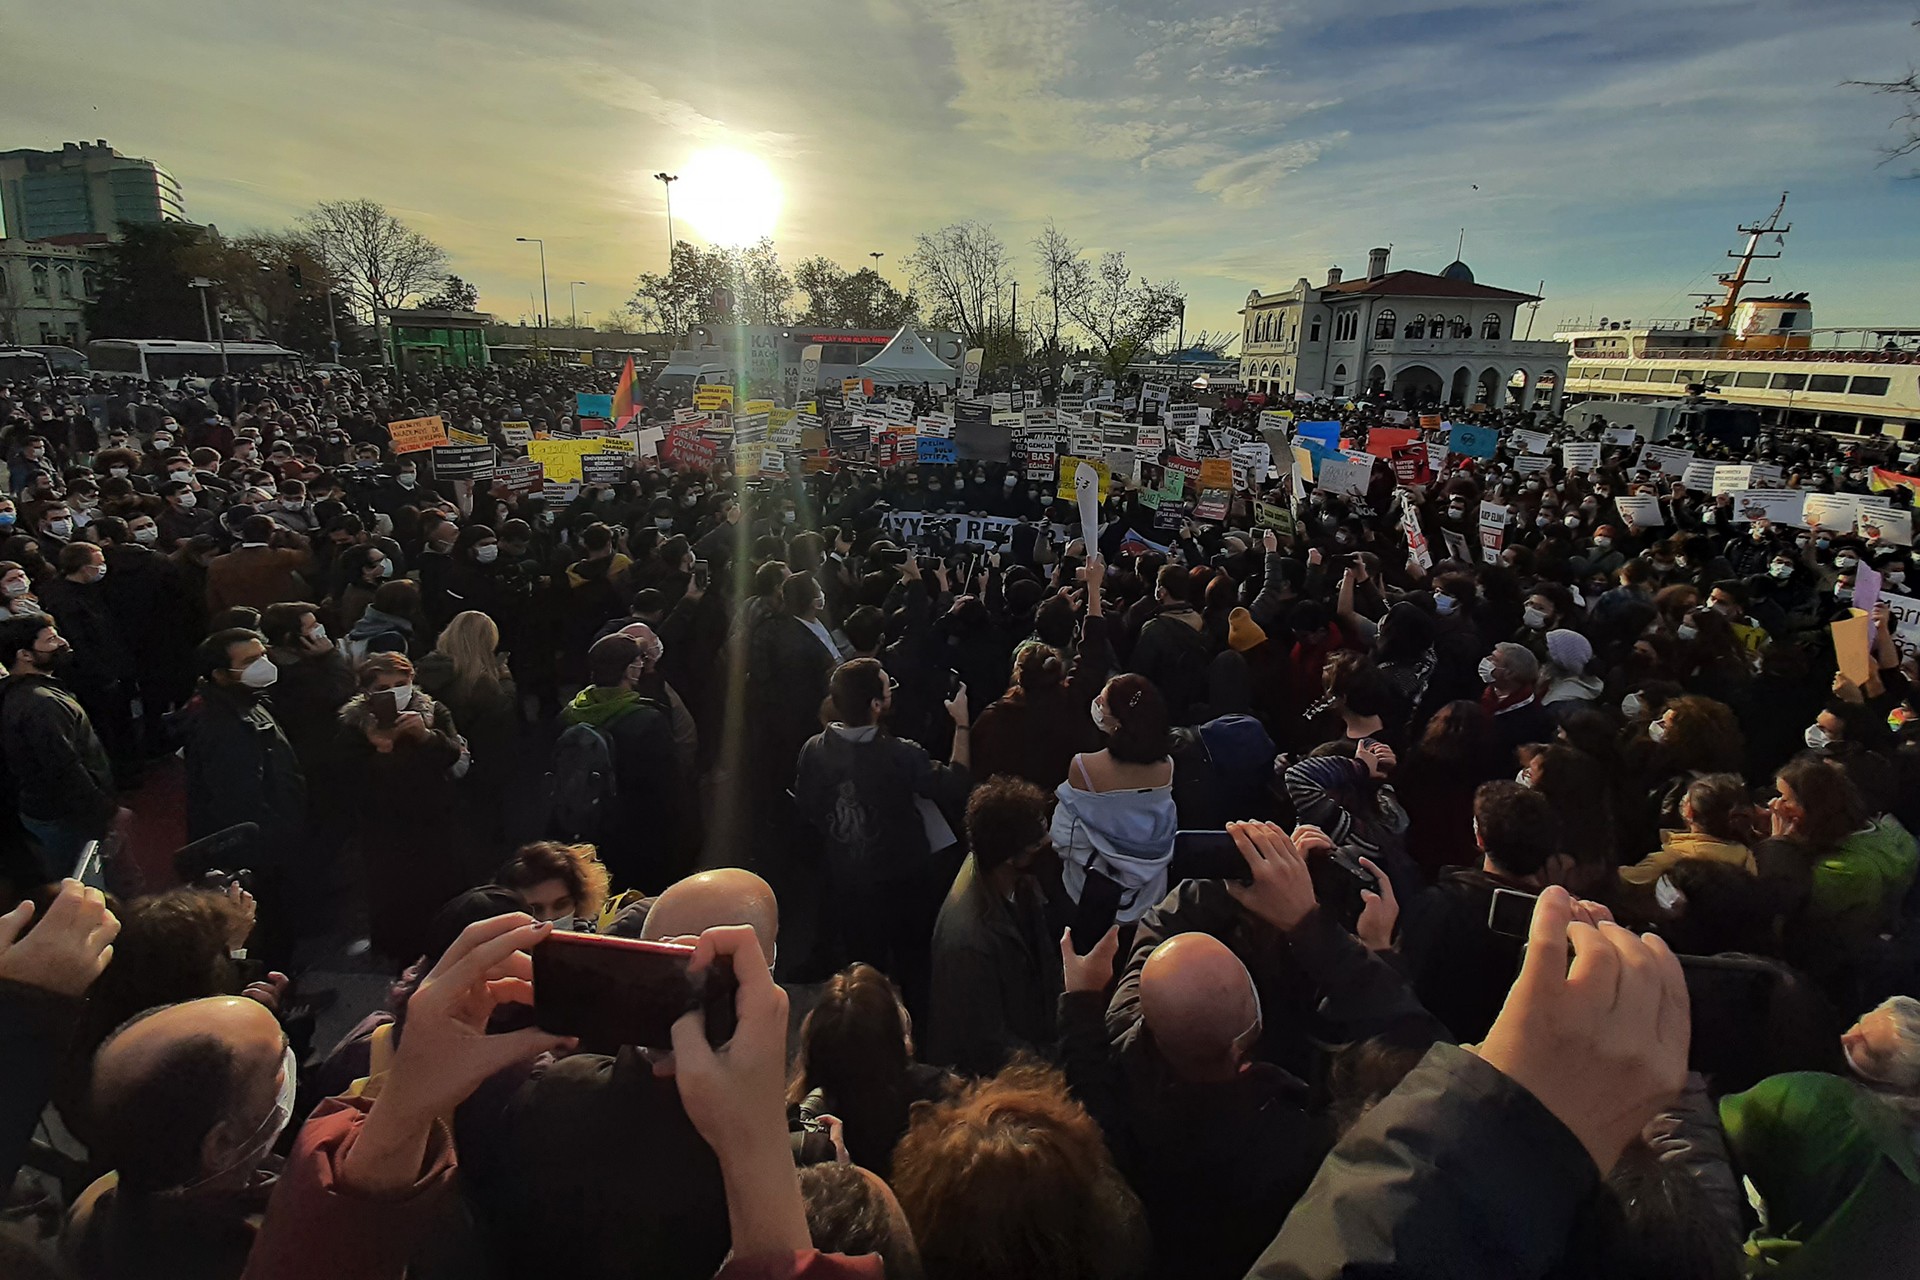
(1457, 270)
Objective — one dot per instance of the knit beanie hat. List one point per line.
(1570, 651)
(1243, 632)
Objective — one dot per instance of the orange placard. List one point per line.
(411, 435)
(1216, 473)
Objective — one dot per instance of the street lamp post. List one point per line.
(573, 306)
(202, 284)
(333, 325)
(667, 180)
(546, 308)
(876, 255)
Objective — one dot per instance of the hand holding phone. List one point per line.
(735, 1099)
(623, 991)
(385, 707)
(1096, 911)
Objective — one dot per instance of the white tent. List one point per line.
(905, 360)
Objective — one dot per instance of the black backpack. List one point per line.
(1185, 686)
(581, 782)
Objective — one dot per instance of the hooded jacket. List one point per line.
(1126, 836)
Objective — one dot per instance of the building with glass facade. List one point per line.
(84, 190)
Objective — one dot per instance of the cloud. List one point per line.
(1244, 181)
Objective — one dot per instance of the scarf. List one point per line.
(600, 707)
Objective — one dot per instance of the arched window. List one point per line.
(39, 279)
(1460, 328)
(1490, 328)
(1339, 380)
(89, 283)
(63, 281)
(1383, 325)
(1417, 327)
(1437, 327)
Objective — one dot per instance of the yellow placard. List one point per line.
(1069, 465)
(747, 456)
(456, 436)
(560, 459)
(713, 397)
(777, 418)
(411, 435)
(758, 406)
(1216, 473)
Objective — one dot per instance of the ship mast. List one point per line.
(1720, 309)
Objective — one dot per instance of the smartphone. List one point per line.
(1099, 904)
(1511, 913)
(87, 869)
(1338, 881)
(953, 684)
(620, 991)
(701, 574)
(386, 708)
(1207, 855)
(1732, 1012)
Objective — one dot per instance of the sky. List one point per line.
(1607, 148)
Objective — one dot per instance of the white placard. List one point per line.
(1641, 508)
(1580, 455)
(1781, 506)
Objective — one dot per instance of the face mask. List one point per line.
(1687, 631)
(1894, 577)
(316, 636)
(1657, 731)
(241, 1168)
(61, 528)
(117, 471)
(1534, 618)
(1486, 670)
(1100, 720)
(1446, 605)
(1665, 895)
(1846, 562)
(1633, 706)
(548, 517)
(187, 499)
(607, 495)
(6, 519)
(1523, 779)
(17, 588)
(260, 673)
(1843, 594)
(1780, 572)
(1541, 522)
(1603, 543)
(486, 554)
(386, 568)
(1456, 513)
(1572, 522)
(565, 923)
(402, 695)
(1816, 738)
(146, 536)
(406, 479)
(1010, 481)
(162, 442)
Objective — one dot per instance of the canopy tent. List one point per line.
(905, 360)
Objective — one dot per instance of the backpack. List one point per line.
(1185, 685)
(582, 784)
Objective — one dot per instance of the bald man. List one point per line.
(602, 1166)
(1198, 1003)
(188, 1099)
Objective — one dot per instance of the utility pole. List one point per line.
(200, 284)
(573, 306)
(546, 308)
(1533, 312)
(667, 180)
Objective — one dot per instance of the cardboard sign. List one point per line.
(1346, 476)
(1580, 455)
(936, 449)
(1493, 530)
(1530, 441)
(1474, 442)
(411, 435)
(1698, 476)
(1835, 511)
(603, 468)
(1904, 613)
(713, 397)
(521, 476)
(1383, 442)
(1269, 515)
(1641, 508)
(1626, 436)
(1890, 527)
(1668, 462)
(462, 461)
(560, 459)
(1731, 476)
(586, 405)
(1069, 465)
(1530, 464)
(1417, 549)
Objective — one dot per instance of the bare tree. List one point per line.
(379, 261)
(1118, 316)
(1907, 123)
(964, 273)
(1063, 278)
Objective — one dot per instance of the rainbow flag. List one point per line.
(1881, 480)
(623, 408)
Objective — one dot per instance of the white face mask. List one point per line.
(316, 636)
(1633, 705)
(61, 528)
(1101, 721)
(117, 472)
(487, 554)
(1523, 779)
(17, 587)
(1534, 618)
(1687, 631)
(1657, 731)
(1817, 739)
(146, 536)
(1665, 894)
(566, 923)
(386, 568)
(406, 479)
(1780, 571)
(187, 499)
(1603, 543)
(1486, 670)
(402, 695)
(260, 673)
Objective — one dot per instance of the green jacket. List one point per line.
(1837, 1167)
(1861, 883)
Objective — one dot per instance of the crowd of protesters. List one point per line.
(1560, 921)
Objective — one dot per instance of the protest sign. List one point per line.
(521, 476)
(1643, 509)
(1835, 511)
(457, 436)
(1731, 476)
(1269, 515)
(1621, 436)
(1429, 422)
(1530, 441)
(1891, 527)
(1346, 475)
(411, 435)
(1410, 464)
(587, 405)
(713, 397)
(1276, 419)
(1668, 462)
(1530, 463)
(1579, 455)
(936, 449)
(1493, 530)
(1698, 475)
(1041, 454)
(462, 461)
(517, 434)
(1383, 441)
(1904, 613)
(936, 424)
(1458, 548)
(1474, 442)
(560, 459)
(1780, 506)
(1852, 646)
(1327, 433)
(970, 371)
(603, 468)
(1417, 549)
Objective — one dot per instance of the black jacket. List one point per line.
(996, 976)
(35, 1028)
(240, 767)
(1175, 654)
(101, 656)
(1461, 969)
(1458, 1172)
(860, 797)
(787, 670)
(59, 769)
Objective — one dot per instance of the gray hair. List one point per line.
(1518, 660)
(1904, 1011)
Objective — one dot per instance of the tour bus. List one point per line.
(166, 360)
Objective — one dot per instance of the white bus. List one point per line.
(165, 360)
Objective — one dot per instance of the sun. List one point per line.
(729, 196)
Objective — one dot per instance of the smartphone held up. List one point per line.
(610, 992)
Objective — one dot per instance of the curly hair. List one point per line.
(575, 865)
(1011, 1178)
(1703, 736)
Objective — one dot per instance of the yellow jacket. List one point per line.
(1676, 846)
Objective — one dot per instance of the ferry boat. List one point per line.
(1761, 352)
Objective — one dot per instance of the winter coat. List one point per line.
(240, 767)
(857, 787)
(59, 770)
(996, 976)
